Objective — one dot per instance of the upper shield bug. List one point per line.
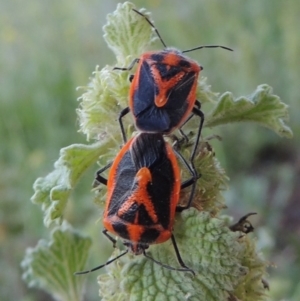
(143, 188)
(162, 93)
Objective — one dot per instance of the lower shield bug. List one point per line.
(143, 188)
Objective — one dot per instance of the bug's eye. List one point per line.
(201, 67)
(131, 77)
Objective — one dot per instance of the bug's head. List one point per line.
(136, 248)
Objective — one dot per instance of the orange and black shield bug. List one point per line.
(162, 93)
(143, 190)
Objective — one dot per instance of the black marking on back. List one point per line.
(149, 236)
(177, 99)
(158, 57)
(148, 117)
(167, 72)
(124, 179)
(161, 190)
(178, 94)
(121, 229)
(144, 94)
(184, 63)
(144, 217)
(137, 210)
(153, 119)
(148, 150)
(130, 214)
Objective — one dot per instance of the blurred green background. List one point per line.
(48, 48)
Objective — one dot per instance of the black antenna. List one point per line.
(189, 50)
(207, 46)
(152, 25)
(102, 265)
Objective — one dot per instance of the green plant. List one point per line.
(226, 263)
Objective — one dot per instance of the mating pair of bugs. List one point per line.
(144, 181)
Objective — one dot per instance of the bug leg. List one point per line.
(110, 238)
(184, 267)
(122, 114)
(129, 67)
(191, 167)
(99, 179)
(190, 182)
(181, 131)
(198, 106)
(179, 256)
(198, 112)
(178, 141)
(184, 136)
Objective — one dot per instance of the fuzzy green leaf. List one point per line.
(51, 265)
(127, 33)
(52, 192)
(204, 93)
(206, 245)
(252, 286)
(262, 107)
(101, 103)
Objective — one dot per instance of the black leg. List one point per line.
(131, 77)
(185, 137)
(198, 112)
(129, 67)
(184, 267)
(198, 104)
(190, 182)
(122, 114)
(110, 238)
(99, 179)
(179, 256)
